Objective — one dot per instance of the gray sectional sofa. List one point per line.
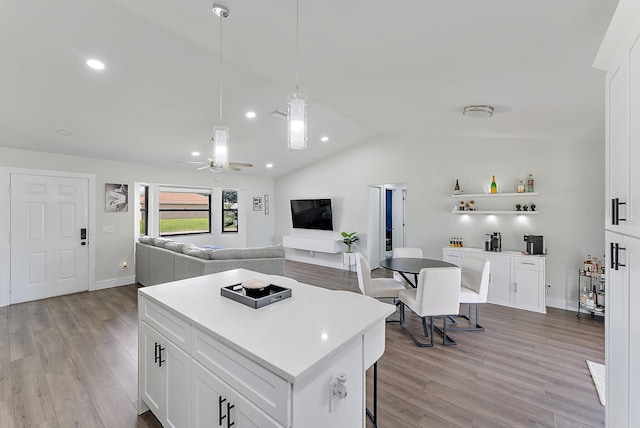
(160, 260)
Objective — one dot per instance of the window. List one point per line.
(143, 191)
(229, 211)
(184, 211)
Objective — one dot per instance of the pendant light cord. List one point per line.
(220, 72)
(297, 45)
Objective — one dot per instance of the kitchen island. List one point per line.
(205, 359)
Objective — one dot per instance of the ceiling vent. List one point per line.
(280, 114)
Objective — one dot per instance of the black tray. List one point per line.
(256, 298)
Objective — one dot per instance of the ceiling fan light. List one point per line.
(297, 122)
(220, 146)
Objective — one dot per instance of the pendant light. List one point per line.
(220, 133)
(297, 119)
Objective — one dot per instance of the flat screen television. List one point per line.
(312, 214)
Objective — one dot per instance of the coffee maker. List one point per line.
(493, 242)
(534, 244)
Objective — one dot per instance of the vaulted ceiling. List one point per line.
(369, 68)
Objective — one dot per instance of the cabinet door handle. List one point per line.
(229, 423)
(528, 263)
(516, 284)
(612, 249)
(615, 211)
(155, 359)
(160, 360)
(221, 417)
(618, 248)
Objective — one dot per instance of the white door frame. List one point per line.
(5, 225)
(376, 247)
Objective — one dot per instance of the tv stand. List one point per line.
(309, 243)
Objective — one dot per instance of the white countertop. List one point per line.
(289, 337)
(482, 250)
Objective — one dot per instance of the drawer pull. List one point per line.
(528, 263)
(229, 423)
(221, 417)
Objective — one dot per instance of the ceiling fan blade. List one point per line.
(193, 162)
(202, 167)
(241, 164)
(232, 167)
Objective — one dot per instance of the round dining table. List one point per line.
(412, 266)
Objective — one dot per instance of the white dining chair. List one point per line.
(474, 287)
(437, 295)
(405, 253)
(375, 287)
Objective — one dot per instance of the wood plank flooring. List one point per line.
(71, 361)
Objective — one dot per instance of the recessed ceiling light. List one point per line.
(478, 111)
(324, 139)
(95, 64)
(251, 114)
(195, 153)
(269, 165)
(64, 132)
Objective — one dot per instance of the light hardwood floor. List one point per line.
(72, 361)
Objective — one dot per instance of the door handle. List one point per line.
(229, 423)
(83, 233)
(617, 251)
(160, 360)
(221, 417)
(615, 211)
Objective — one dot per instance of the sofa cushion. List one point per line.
(246, 253)
(174, 246)
(194, 251)
(146, 239)
(161, 242)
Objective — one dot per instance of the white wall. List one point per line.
(568, 178)
(114, 249)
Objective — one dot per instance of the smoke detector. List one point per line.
(478, 111)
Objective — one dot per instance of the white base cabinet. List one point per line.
(165, 378)
(515, 280)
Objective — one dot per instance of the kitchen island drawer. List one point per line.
(168, 324)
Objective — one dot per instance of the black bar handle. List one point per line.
(160, 349)
(229, 423)
(615, 211)
(612, 249)
(618, 248)
(221, 417)
(155, 360)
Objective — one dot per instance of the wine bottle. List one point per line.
(456, 189)
(494, 186)
(530, 186)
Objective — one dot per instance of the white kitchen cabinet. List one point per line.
(215, 403)
(515, 280)
(164, 379)
(529, 283)
(623, 331)
(619, 56)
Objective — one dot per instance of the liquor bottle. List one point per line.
(494, 186)
(521, 186)
(530, 183)
(456, 189)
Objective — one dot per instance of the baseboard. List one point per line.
(561, 304)
(114, 282)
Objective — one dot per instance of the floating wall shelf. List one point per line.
(493, 195)
(455, 211)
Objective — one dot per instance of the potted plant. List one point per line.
(349, 239)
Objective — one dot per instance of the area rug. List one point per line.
(597, 374)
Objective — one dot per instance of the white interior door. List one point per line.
(49, 257)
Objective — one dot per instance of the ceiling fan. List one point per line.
(233, 166)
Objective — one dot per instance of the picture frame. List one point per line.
(266, 204)
(116, 197)
(257, 203)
